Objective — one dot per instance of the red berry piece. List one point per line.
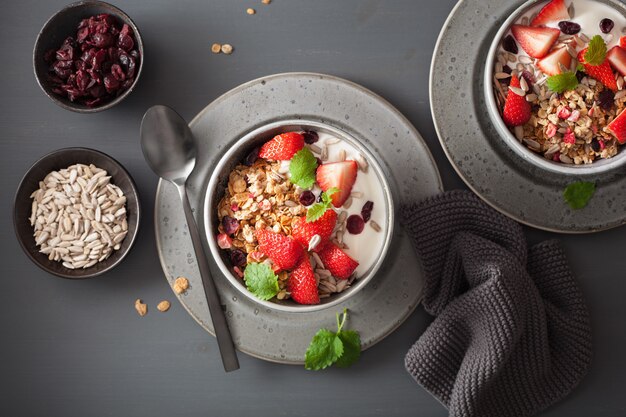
(230, 225)
(366, 211)
(606, 25)
(307, 198)
(355, 224)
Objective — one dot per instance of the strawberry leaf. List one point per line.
(261, 280)
(596, 51)
(317, 210)
(562, 82)
(302, 168)
(578, 194)
(325, 348)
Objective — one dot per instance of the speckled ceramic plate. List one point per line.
(390, 297)
(481, 157)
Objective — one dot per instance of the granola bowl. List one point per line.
(567, 131)
(254, 207)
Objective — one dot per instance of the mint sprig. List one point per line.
(317, 210)
(596, 51)
(302, 168)
(261, 280)
(342, 348)
(578, 194)
(562, 82)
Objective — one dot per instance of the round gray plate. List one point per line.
(481, 157)
(391, 296)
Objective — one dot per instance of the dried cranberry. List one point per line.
(307, 198)
(606, 25)
(111, 83)
(230, 225)
(580, 75)
(507, 69)
(102, 40)
(569, 28)
(355, 224)
(595, 145)
(509, 45)
(252, 157)
(310, 136)
(125, 42)
(366, 211)
(237, 257)
(529, 77)
(606, 100)
(117, 72)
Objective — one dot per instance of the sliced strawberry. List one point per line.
(602, 72)
(554, 11)
(282, 147)
(551, 64)
(618, 127)
(617, 59)
(302, 284)
(337, 261)
(303, 231)
(536, 41)
(282, 250)
(516, 108)
(622, 42)
(340, 175)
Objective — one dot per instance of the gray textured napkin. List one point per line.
(511, 334)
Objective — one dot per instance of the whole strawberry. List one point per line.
(516, 108)
(282, 147)
(593, 60)
(302, 284)
(283, 251)
(337, 261)
(304, 230)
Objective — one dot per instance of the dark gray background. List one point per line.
(79, 348)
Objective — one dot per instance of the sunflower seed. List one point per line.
(517, 90)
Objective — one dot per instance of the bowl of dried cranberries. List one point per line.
(88, 56)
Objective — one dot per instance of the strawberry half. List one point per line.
(516, 108)
(282, 250)
(551, 64)
(303, 231)
(337, 261)
(602, 72)
(618, 127)
(282, 147)
(622, 42)
(536, 41)
(340, 175)
(555, 11)
(302, 284)
(617, 58)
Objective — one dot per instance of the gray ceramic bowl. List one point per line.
(218, 182)
(521, 150)
(62, 159)
(63, 24)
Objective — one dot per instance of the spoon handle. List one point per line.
(222, 332)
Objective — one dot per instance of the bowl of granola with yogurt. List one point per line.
(299, 215)
(555, 87)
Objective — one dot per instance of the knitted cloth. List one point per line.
(511, 334)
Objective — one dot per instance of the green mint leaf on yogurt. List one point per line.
(302, 168)
(317, 210)
(342, 348)
(596, 51)
(562, 82)
(261, 280)
(578, 194)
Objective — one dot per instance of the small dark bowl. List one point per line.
(55, 161)
(63, 24)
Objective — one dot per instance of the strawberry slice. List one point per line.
(340, 175)
(282, 147)
(337, 261)
(550, 65)
(302, 284)
(602, 72)
(622, 42)
(617, 58)
(554, 11)
(536, 41)
(282, 250)
(618, 127)
(302, 231)
(516, 108)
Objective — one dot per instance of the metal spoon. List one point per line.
(169, 149)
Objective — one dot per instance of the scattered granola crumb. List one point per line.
(180, 285)
(266, 1)
(227, 49)
(142, 309)
(163, 306)
(216, 48)
(250, 11)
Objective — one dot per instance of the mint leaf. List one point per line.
(302, 168)
(351, 348)
(562, 82)
(317, 210)
(578, 194)
(261, 280)
(596, 51)
(580, 67)
(325, 348)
